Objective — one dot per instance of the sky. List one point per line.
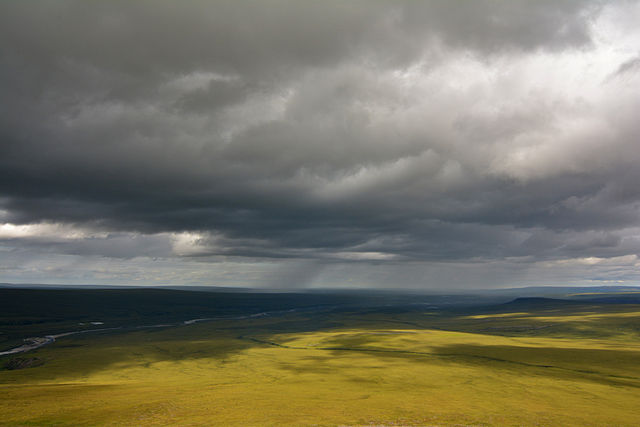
(309, 144)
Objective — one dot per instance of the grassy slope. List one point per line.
(518, 364)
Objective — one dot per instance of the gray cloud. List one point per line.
(329, 133)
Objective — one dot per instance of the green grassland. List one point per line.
(528, 363)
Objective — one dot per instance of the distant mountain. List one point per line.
(539, 302)
(554, 291)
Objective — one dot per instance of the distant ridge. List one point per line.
(548, 291)
(542, 301)
(612, 298)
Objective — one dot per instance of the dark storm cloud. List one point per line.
(336, 131)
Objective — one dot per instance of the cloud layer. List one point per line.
(421, 144)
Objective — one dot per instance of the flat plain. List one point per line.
(532, 361)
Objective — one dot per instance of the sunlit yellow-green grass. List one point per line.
(367, 370)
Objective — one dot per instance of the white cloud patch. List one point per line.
(47, 231)
(190, 244)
